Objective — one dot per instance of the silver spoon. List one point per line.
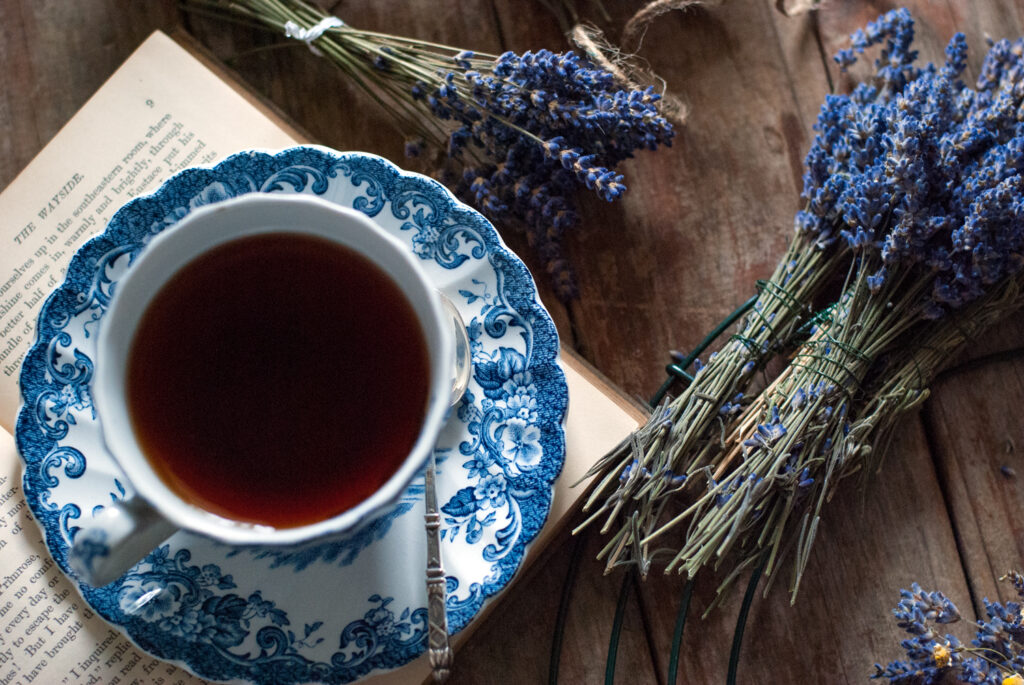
(438, 646)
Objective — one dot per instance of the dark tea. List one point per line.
(278, 379)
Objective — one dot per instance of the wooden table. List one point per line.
(700, 223)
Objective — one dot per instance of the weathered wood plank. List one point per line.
(978, 438)
(54, 57)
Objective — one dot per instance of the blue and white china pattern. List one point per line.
(336, 610)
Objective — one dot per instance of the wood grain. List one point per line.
(978, 439)
(699, 224)
(54, 56)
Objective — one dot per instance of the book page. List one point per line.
(161, 112)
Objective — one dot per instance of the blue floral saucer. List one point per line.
(337, 610)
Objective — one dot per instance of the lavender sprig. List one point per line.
(525, 131)
(994, 657)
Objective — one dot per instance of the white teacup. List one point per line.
(122, 533)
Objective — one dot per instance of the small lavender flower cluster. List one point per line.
(844, 169)
(532, 128)
(994, 657)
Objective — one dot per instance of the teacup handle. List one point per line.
(116, 539)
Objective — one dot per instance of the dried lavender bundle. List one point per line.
(526, 130)
(829, 415)
(937, 230)
(651, 470)
(644, 473)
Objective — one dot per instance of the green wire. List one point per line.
(620, 614)
(563, 610)
(677, 636)
(741, 621)
(679, 370)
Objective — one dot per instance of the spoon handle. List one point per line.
(441, 655)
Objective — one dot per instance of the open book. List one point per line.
(167, 108)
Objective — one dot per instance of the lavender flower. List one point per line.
(995, 656)
(916, 164)
(894, 65)
(935, 221)
(534, 127)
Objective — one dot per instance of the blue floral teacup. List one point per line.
(157, 505)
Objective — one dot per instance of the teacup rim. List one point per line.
(143, 478)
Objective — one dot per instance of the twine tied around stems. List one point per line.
(307, 36)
